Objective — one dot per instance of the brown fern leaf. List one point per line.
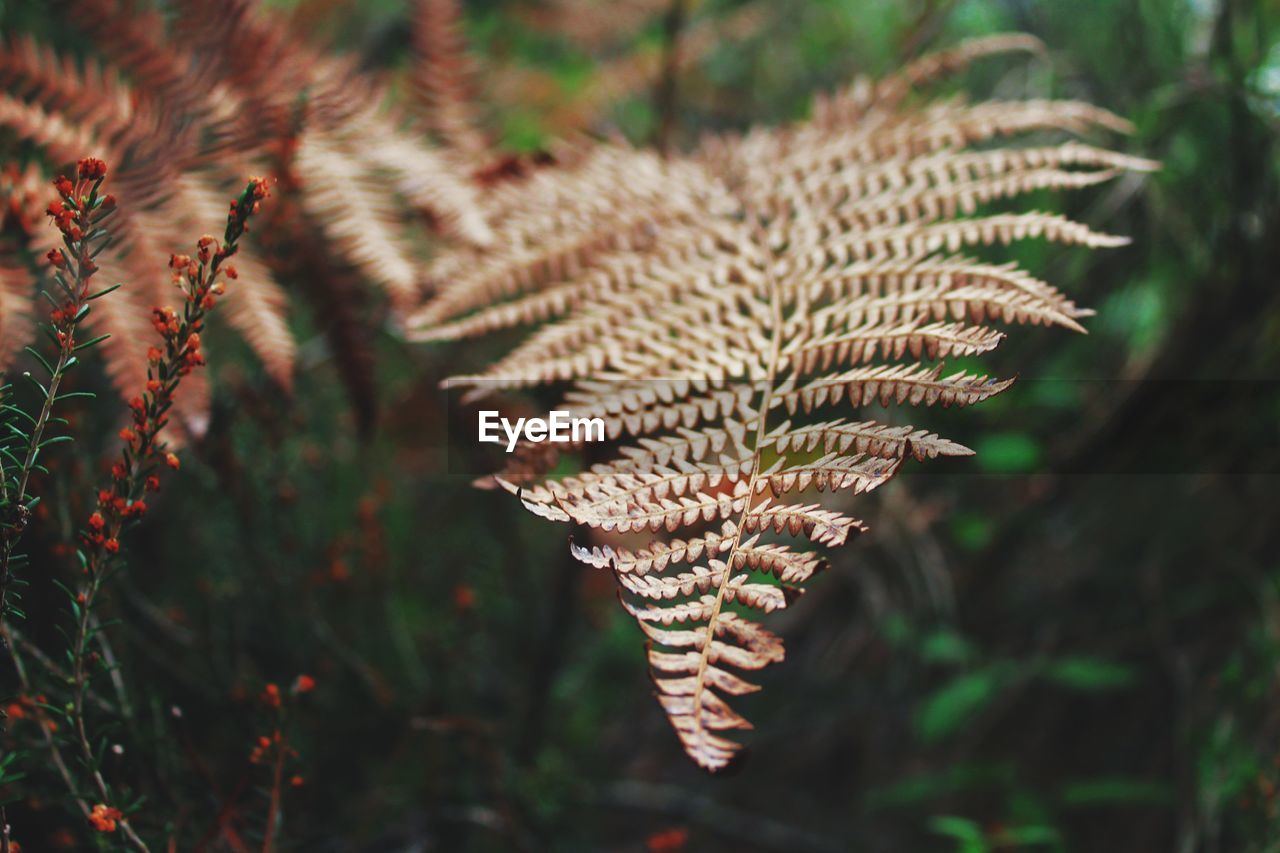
(16, 326)
(443, 77)
(181, 103)
(739, 317)
(22, 191)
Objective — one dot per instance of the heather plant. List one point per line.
(79, 214)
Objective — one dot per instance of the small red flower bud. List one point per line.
(153, 483)
(96, 521)
(304, 684)
(171, 459)
(112, 546)
(56, 258)
(63, 185)
(91, 169)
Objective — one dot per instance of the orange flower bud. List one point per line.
(103, 817)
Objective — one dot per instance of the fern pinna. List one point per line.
(730, 315)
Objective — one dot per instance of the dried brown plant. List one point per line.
(185, 106)
(740, 317)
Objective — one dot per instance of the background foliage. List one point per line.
(1070, 642)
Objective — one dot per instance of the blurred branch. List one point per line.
(665, 96)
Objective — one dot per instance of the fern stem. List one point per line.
(762, 414)
(666, 94)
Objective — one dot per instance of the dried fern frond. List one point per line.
(738, 318)
(443, 77)
(182, 104)
(16, 326)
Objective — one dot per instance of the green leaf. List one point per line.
(1007, 453)
(959, 701)
(968, 834)
(1089, 674)
(35, 353)
(946, 646)
(1115, 791)
(92, 342)
(44, 392)
(1027, 836)
(103, 292)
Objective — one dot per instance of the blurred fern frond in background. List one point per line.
(184, 108)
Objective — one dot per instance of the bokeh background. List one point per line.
(1068, 643)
